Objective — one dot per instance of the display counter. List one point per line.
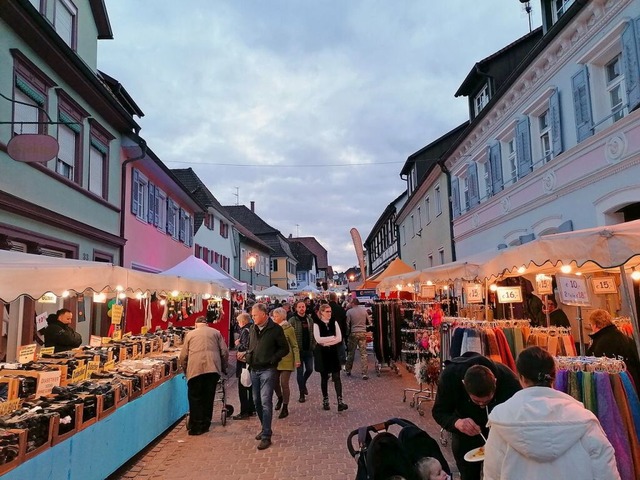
(100, 449)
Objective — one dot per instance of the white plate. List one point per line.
(475, 455)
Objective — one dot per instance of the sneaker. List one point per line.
(259, 436)
(302, 399)
(241, 416)
(365, 377)
(264, 443)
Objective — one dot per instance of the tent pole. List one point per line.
(633, 314)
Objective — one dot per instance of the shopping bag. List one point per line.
(245, 377)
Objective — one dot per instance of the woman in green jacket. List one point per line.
(288, 364)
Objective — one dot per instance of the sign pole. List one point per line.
(546, 310)
(581, 334)
(633, 314)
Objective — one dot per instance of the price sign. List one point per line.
(509, 294)
(474, 293)
(93, 367)
(144, 330)
(116, 314)
(95, 341)
(110, 365)
(544, 284)
(46, 382)
(79, 374)
(602, 285)
(106, 340)
(117, 335)
(47, 351)
(41, 321)
(428, 291)
(27, 353)
(573, 291)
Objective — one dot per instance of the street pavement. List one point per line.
(309, 444)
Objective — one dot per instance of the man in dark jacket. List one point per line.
(267, 346)
(302, 323)
(608, 341)
(339, 315)
(470, 386)
(58, 332)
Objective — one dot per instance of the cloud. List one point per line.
(283, 83)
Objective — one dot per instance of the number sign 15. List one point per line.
(603, 285)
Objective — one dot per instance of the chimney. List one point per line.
(253, 206)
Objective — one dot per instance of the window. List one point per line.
(172, 218)
(25, 113)
(209, 221)
(430, 260)
(481, 99)
(512, 159)
(68, 140)
(64, 21)
(404, 236)
(419, 220)
(139, 195)
(160, 210)
(441, 255)
(438, 201)
(545, 136)
(31, 87)
(99, 160)
(413, 227)
(615, 87)
(487, 179)
(560, 7)
(301, 276)
(427, 210)
(274, 265)
(465, 186)
(224, 229)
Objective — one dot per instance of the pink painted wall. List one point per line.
(146, 245)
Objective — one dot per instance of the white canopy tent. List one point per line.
(274, 291)
(194, 268)
(307, 289)
(35, 275)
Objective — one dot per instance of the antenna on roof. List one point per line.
(237, 195)
(297, 230)
(527, 8)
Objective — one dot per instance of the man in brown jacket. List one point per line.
(204, 356)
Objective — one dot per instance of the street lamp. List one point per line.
(251, 261)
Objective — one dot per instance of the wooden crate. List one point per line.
(12, 387)
(87, 423)
(103, 411)
(47, 377)
(124, 398)
(46, 445)
(57, 437)
(22, 447)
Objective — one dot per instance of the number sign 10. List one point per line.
(573, 291)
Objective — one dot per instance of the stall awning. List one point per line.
(35, 275)
(197, 269)
(396, 267)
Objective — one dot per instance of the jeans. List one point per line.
(305, 370)
(263, 382)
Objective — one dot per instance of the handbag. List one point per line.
(241, 356)
(245, 377)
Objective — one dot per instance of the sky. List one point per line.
(309, 108)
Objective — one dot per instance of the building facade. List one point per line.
(381, 245)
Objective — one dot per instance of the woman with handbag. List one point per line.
(326, 359)
(247, 409)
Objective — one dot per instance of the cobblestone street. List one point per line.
(309, 444)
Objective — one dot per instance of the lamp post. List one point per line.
(251, 261)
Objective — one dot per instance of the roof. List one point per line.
(279, 244)
(101, 17)
(250, 237)
(250, 220)
(315, 247)
(388, 212)
(121, 94)
(304, 256)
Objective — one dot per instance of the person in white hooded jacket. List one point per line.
(542, 433)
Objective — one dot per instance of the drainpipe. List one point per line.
(143, 152)
(444, 168)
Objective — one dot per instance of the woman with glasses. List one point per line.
(326, 356)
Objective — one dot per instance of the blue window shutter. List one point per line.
(487, 165)
(455, 196)
(495, 160)
(523, 147)
(631, 62)
(556, 125)
(474, 196)
(582, 104)
(181, 229)
(157, 206)
(151, 215)
(170, 218)
(134, 192)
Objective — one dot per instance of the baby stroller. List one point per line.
(380, 454)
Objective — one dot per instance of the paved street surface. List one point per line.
(309, 444)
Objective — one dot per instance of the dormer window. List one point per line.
(560, 7)
(64, 21)
(481, 99)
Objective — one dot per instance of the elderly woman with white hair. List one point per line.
(288, 364)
